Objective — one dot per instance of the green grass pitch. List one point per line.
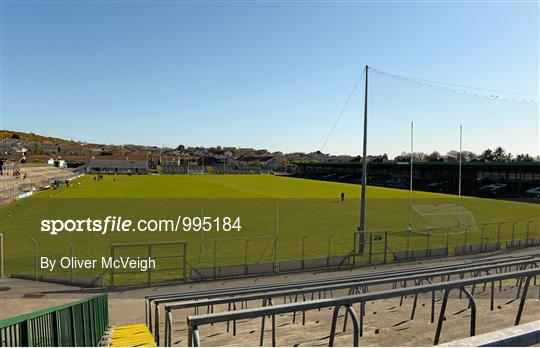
(307, 215)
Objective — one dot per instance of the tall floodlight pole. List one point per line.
(459, 175)
(362, 225)
(411, 179)
(460, 159)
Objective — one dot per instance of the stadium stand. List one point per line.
(361, 298)
(16, 180)
(513, 180)
(329, 290)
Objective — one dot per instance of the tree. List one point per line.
(419, 156)
(404, 157)
(378, 158)
(468, 156)
(434, 157)
(15, 136)
(500, 155)
(452, 156)
(487, 155)
(524, 158)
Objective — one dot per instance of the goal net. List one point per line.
(445, 215)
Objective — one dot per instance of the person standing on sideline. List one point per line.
(342, 196)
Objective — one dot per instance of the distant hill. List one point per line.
(32, 137)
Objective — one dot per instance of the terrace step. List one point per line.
(136, 335)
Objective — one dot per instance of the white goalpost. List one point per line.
(440, 215)
(445, 215)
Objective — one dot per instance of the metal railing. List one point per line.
(264, 257)
(79, 323)
(378, 247)
(353, 287)
(233, 295)
(195, 321)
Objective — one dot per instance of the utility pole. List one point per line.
(362, 226)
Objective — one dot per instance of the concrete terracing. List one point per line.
(385, 324)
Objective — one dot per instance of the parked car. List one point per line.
(534, 192)
(493, 189)
(436, 186)
(395, 183)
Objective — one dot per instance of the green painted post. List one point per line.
(92, 324)
(73, 328)
(26, 339)
(55, 322)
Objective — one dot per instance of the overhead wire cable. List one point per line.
(462, 89)
(343, 110)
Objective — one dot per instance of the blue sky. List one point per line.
(269, 74)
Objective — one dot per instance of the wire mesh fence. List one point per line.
(253, 255)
